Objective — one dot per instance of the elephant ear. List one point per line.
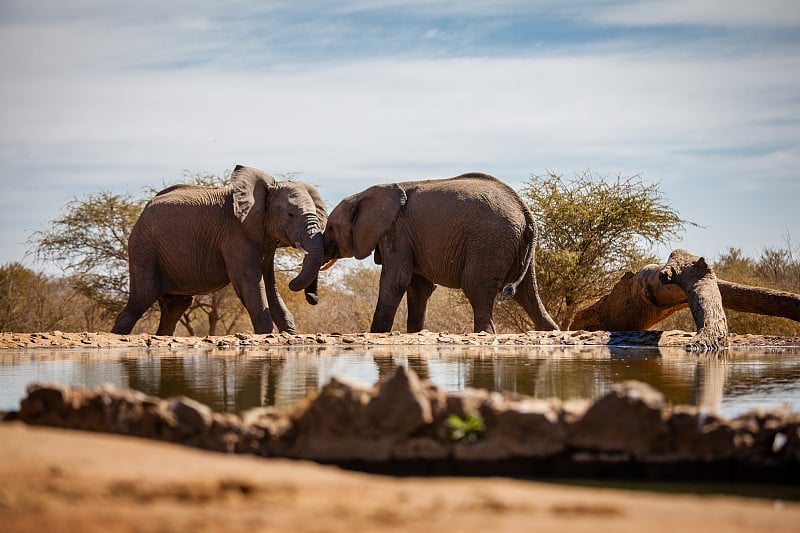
(250, 187)
(373, 215)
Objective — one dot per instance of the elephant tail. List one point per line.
(529, 238)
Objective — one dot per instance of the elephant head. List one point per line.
(289, 212)
(359, 221)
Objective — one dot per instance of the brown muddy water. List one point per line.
(235, 379)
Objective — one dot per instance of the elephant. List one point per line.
(193, 240)
(471, 232)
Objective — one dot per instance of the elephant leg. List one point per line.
(143, 293)
(482, 303)
(172, 307)
(481, 287)
(419, 291)
(249, 287)
(277, 308)
(128, 317)
(528, 297)
(395, 279)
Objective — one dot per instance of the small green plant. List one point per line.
(468, 428)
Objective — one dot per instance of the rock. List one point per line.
(757, 430)
(335, 426)
(400, 406)
(349, 421)
(45, 404)
(107, 409)
(228, 434)
(697, 436)
(685, 425)
(193, 418)
(425, 448)
(267, 426)
(791, 449)
(516, 428)
(112, 410)
(466, 401)
(627, 419)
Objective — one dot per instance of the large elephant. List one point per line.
(471, 232)
(193, 240)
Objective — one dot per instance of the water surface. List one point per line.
(232, 380)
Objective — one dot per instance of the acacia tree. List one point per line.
(89, 242)
(591, 230)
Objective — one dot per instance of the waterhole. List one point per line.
(232, 380)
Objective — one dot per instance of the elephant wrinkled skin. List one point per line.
(193, 240)
(471, 232)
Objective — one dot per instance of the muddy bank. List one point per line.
(58, 339)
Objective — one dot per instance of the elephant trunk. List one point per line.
(312, 244)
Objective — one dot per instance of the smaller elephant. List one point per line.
(471, 232)
(194, 240)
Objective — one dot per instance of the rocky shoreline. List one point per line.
(58, 339)
(405, 426)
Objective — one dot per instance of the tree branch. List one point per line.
(638, 301)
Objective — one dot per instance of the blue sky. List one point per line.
(702, 97)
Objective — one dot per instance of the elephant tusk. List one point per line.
(300, 247)
(327, 265)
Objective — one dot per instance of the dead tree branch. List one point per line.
(640, 300)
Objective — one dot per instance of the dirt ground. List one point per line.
(59, 480)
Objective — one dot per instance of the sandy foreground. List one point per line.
(59, 480)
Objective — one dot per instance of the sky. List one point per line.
(701, 97)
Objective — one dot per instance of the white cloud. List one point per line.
(739, 13)
(389, 116)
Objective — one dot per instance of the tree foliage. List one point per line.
(591, 230)
(774, 268)
(32, 301)
(89, 241)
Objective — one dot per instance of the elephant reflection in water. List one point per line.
(238, 379)
(386, 360)
(225, 380)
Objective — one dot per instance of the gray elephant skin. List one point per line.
(193, 240)
(471, 232)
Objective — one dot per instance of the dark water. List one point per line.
(236, 379)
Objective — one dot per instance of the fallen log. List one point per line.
(759, 300)
(639, 301)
